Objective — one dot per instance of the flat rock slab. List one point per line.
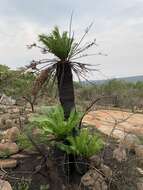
(8, 163)
(8, 148)
(92, 180)
(105, 120)
(19, 156)
(5, 185)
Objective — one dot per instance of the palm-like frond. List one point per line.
(65, 49)
(84, 144)
(58, 44)
(52, 121)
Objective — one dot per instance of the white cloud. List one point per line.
(118, 28)
(14, 37)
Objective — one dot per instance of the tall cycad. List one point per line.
(66, 52)
(60, 46)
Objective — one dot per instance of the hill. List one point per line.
(132, 79)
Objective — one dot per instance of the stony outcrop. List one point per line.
(130, 141)
(140, 184)
(5, 100)
(93, 180)
(8, 148)
(95, 161)
(5, 185)
(139, 152)
(140, 171)
(12, 134)
(19, 156)
(5, 123)
(120, 154)
(106, 171)
(8, 163)
(8, 123)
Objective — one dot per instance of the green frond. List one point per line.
(83, 144)
(58, 44)
(53, 122)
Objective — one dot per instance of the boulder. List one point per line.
(106, 171)
(95, 161)
(1, 135)
(8, 148)
(19, 156)
(8, 163)
(22, 119)
(5, 100)
(140, 171)
(12, 134)
(139, 152)
(15, 110)
(5, 185)
(3, 109)
(93, 180)
(140, 184)
(130, 141)
(2, 126)
(3, 141)
(3, 120)
(8, 123)
(5, 123)
(120, 154)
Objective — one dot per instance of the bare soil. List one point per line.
(55, 168)
(126, 122)
(56, 171)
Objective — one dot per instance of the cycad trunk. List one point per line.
(65, 87)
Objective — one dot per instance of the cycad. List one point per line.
(57, 44)
(83, 144)
(53, 122)
(66, 52)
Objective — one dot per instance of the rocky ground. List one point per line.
(118, 167)
(127, 129)
(122, 122)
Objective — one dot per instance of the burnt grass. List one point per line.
(58, 171)
(125, 175)
(61, 172)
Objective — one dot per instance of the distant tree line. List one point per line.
(19, 85)
(119, 93)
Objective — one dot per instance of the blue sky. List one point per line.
(118, 28)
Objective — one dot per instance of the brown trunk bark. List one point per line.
(65, 87)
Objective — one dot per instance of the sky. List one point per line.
(118, 29)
